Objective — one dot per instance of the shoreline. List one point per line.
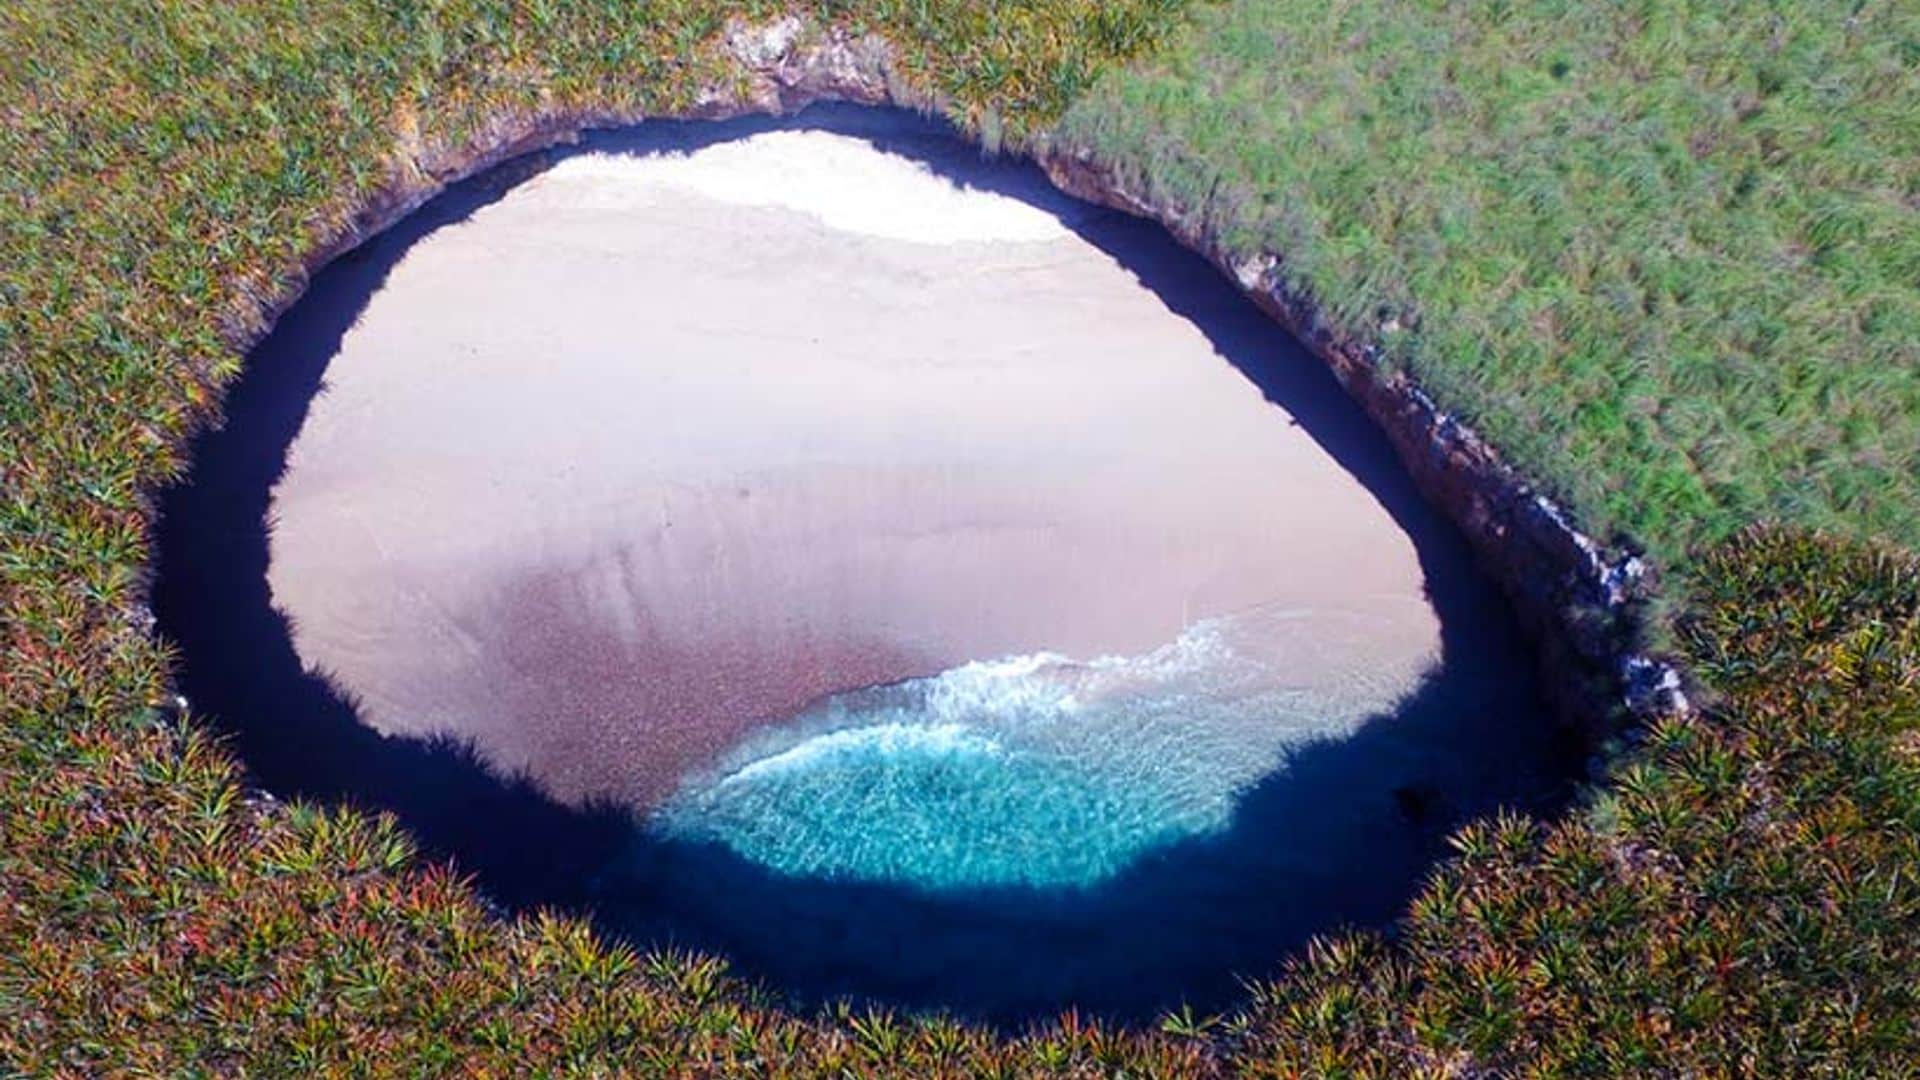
(656, 450)
(1469, 737)
(1592, 667)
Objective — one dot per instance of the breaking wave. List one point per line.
(1038, 770)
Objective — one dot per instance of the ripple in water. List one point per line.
(650, 547)
(1039, 770)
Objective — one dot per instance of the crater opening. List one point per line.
(806, 540)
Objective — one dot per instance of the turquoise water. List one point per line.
(1037, 770)
(1001, 840)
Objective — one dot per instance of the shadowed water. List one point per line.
(1004, 837)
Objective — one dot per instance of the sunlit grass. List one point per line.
(1663, 253)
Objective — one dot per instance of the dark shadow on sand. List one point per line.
(1180, 924)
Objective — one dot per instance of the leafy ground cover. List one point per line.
(1662, 252)
(1742, 900)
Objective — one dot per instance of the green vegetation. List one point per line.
(1745, 899)
(1663, 253)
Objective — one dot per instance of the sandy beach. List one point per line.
(656, 452)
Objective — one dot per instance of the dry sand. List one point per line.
(655, 451)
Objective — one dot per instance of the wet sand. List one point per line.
(652, 453)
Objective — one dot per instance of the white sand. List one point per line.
(655, 451)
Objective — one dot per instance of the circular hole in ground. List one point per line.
(809, 541)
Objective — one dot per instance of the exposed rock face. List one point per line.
(1578, 599)
(787, 66)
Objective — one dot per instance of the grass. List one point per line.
(1663, 254)
(1744, 899)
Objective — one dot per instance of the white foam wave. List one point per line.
(880, 739)
(1038, 769)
